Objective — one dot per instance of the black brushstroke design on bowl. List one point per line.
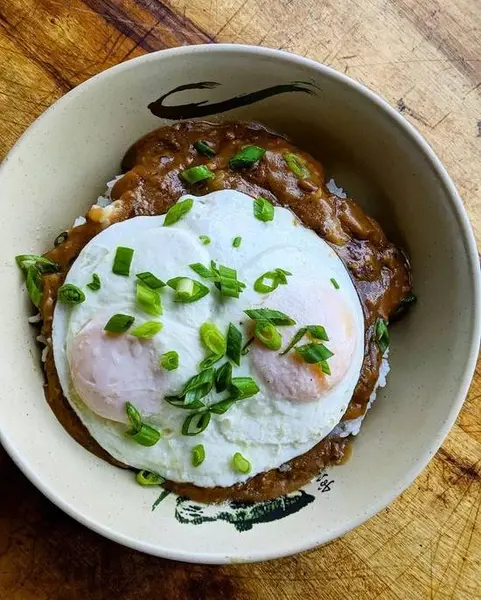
(203, 109)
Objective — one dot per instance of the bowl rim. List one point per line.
(472, 254)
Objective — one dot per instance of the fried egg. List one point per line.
(297, 405)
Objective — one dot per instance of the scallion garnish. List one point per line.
(334, 283)
(150, 280)
(197, 174)
(95, 284)
(210, 360)
(325, 367)
(147, 436)
(70, 294)
(34, 285)
(297, 165)
(246, 157)
(382, 335)
(119, 323)
(317, 331)
(213, 339)
(187, 290)
(234, 344)
(122, 261)
(236, 242)
(147, 330)
(203, 147)
(276, 317)
(243, 387)
(314, 353)
(198, 386)
(177, 211)
(263, 210)
(205, 239)
(143, 434)
(223, 406)
(198, 455)
(223, 377)
(241, 464)
(224, 278)
(268, 335)
(196, 423)
(43, 265)
(148, 299)
(169, 361)
(149, 478)
(270, 280)
(245, 348)
(178, 402)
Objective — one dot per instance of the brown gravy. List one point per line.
(151, 184)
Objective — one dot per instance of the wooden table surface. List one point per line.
(424, 57)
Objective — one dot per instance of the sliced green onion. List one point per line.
(229, 285)
(187, 290)
(213, 339)
(196, 174)
(44, 265)
(246, 157)
(205, 239)
(276, 277)
(147, 330)
(133, 416)
(236, 242)
(198, 455)
(297, 165)
(223, 406)
(314, 353)
(203, 147)
(95, 284)
(198, 386)
(203, 271)
(382, 335)
(245, 348)
(196, 423)
(177, 211)
(263, 210)
(243, 387)
(317, 331)
(147, 436)
(149, 478)
(276, 317)
(325, 367)
(241, 464)
(34, 285)
(268, 335)
(150, 280)
(122, 261)
(70, 294)
(210, 360)
(148, 300)
(119, 323)
(334, 283)
(178, 402)
(223, 377)
(234, 343)
(169, 361)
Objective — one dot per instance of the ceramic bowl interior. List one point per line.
(60, 166)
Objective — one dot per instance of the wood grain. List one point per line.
(425, 58)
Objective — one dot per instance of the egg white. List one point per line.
(267, 429)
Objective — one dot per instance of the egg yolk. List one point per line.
(107, 370)
(289, 375)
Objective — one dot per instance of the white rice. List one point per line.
(353, 426)
(337, 191)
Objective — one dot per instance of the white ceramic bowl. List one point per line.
(57, 170)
